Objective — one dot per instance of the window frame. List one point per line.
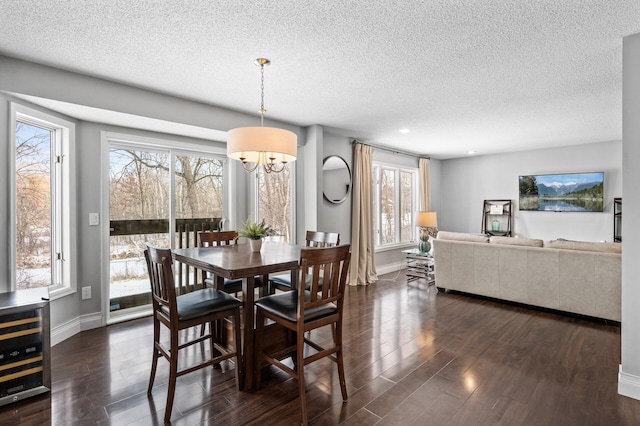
(63, 200)
(378, 166)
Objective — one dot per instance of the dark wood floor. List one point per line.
(412, 356)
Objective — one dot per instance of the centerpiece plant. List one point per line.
(255, 232)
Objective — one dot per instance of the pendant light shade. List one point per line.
(256, 144)
(269, 146)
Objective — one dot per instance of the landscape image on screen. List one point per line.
(569, 192)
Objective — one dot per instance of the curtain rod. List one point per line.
(392, 150)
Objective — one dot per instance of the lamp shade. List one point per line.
(250, 143)
(427, 219)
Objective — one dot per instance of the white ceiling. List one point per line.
(490, 76)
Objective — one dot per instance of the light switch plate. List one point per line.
(94, 219)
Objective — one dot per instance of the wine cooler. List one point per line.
(24, 345)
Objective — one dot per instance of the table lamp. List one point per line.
(426, 221)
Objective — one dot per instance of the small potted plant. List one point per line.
(254, 232)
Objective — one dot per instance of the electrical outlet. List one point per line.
(86, 293)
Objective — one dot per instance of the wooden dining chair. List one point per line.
(302, 311)
(178, 313)
(216, 238)
(224, 238)
(220, 238)
(282, 282)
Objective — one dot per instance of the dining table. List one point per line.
(238, 261)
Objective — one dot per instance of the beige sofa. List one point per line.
(572, 276)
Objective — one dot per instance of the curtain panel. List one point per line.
(424, 186)
(362, 268)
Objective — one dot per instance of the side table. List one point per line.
(420, 265)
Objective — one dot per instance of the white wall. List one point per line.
(629, 377)
(467, 182)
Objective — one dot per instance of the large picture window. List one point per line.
(44, 228)
(395, 199)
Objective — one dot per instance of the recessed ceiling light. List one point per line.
(404, 131)
(472, 152)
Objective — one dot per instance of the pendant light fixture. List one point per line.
(269, 146)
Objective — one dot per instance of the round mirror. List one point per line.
(336, 179)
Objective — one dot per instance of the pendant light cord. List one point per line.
(262, 110)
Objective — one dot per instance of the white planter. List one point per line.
(256, 245)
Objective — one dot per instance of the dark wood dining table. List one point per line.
(237, 261)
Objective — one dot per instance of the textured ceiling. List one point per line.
(489, 76)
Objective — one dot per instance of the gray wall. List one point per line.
(458, 186)
(70, 314)
(89, 199)
(629, 377)
(467, 182)
(335, 217)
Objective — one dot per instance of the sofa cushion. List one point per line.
(461, 236)
(528, 242)
(584, 246)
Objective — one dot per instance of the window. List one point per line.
(44, 210)
(274, 201)
(395, 199)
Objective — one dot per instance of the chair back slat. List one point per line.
(322, 239)
(216, 238)
(160, 266)
(331, 279)
(330, 264)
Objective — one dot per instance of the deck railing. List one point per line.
(186, 236)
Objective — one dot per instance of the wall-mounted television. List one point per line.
(566, 192)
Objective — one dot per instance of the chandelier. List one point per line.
(269, 146)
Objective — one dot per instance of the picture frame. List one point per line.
(562, 192)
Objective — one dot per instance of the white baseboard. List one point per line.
(628, 384)
(64, 331)
(90, 321)
(389, 268)
(75, 326)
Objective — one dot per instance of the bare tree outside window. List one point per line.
(395, 202)
(406, 206)
(140, 192)
(33, 206)
(198, 187)
(274, 201)
(387, 206)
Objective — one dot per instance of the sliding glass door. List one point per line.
(138, 214)
(163, 197)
